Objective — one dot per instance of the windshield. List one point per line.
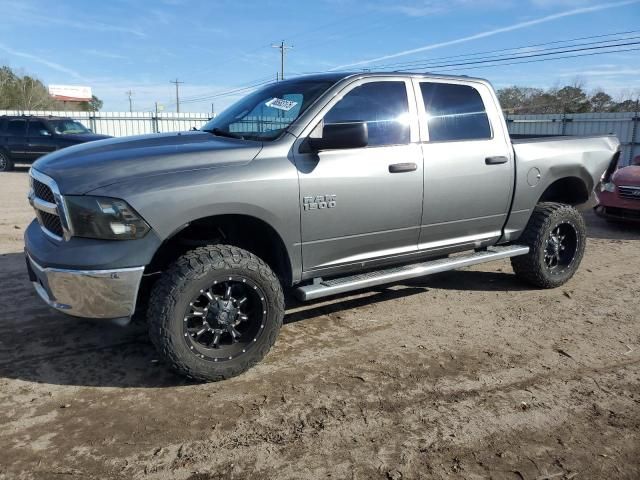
(68, 127)
(266, 113)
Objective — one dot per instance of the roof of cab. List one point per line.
(34, 117)
(337, 76)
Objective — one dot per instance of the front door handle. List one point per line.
(495, 160)
(403, 167)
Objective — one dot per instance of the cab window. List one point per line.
(17, 127)
(37, 128)
(383, 106)
(454, 112)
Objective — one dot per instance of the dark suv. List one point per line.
(24, 139)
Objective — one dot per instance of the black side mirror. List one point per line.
(341, 135)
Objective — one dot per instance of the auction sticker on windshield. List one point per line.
(281, 104)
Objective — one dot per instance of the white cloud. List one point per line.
(561, 3)
(29, 15)
(102, 53)
(421, 8)
(490, 33)
(43, 61)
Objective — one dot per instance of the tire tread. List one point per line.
(168, 290)
(527, 267)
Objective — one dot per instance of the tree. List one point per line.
(573, 99)
(95, 105)
(31, 94)
(514, 99)
(24, 92)
(601, 102)
(567, 99)
(626, 106)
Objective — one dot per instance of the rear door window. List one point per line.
(37, 128)
(17, 127)
(454, 112)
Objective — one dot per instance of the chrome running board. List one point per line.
(334, 286)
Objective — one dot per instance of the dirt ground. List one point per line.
(467, 374)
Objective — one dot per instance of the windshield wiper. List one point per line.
(223, 133)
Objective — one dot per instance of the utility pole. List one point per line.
(283, 51)
(177, 84)
(129, 94)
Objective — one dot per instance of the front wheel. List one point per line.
(215, 312)
(6, 164)
(556, 236)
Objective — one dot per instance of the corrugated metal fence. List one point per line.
(119, 124)
(625, 125)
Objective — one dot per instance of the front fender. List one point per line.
(264, 189)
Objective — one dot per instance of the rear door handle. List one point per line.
(403, 167)
(495, 160)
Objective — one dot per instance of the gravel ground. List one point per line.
(467, 374)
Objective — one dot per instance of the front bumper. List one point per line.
(105, 294)
(616, 213)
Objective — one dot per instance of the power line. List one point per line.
(503, 50)
(542, 53)
(229, 92)
(283, 51)
(206, 96)
(557, 53)
(545, 59)
(177, 84)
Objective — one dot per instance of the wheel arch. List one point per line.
(241, 230)
(571, 190)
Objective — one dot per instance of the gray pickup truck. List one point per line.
(318, 185)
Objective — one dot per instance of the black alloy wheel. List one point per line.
(225, 320)
(215, 312)
(561, 248)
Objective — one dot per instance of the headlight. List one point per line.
(607, 187)
(104, 218)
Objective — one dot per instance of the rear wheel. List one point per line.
(6, 164)
(216, 312)
(556, 236)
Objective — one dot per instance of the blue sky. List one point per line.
(217, 45)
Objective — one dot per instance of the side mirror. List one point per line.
(340, 136)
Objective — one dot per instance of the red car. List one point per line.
(619, 193)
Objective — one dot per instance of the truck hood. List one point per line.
(85, 167)
(627, 176)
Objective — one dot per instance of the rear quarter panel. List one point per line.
(540, 162)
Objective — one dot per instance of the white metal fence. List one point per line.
(625, 125)
(119, 124)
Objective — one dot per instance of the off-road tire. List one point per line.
(546, 217)
(6, 164)
(172, 293)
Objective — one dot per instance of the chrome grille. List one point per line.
(43, 191)
(46, 201)
(52, 223)
(628, 192)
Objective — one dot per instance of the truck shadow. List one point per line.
(600, 228)
(40, 345)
